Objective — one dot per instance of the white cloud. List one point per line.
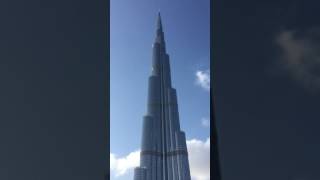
(203, 79)
(205, 122)
(120, 166)
(199, 160)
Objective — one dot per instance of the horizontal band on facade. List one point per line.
(158, 104)
(170, 153)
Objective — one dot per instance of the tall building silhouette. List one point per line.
(164, 154)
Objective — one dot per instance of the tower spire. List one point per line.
(159, 33)
(159, 23)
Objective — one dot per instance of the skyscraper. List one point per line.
(164, 154)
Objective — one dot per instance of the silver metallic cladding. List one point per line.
(163, 148)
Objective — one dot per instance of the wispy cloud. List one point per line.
(203, 79)
(205, 122)
(121, 165)
(300, 56)
(199, 159)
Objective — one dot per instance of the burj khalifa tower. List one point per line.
(164, 154)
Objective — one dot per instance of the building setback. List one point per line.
(164, 154)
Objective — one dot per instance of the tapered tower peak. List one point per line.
(159, 23)
(159, 33)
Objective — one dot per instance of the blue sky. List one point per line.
(186, 28)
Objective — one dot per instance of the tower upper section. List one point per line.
(159, 34)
